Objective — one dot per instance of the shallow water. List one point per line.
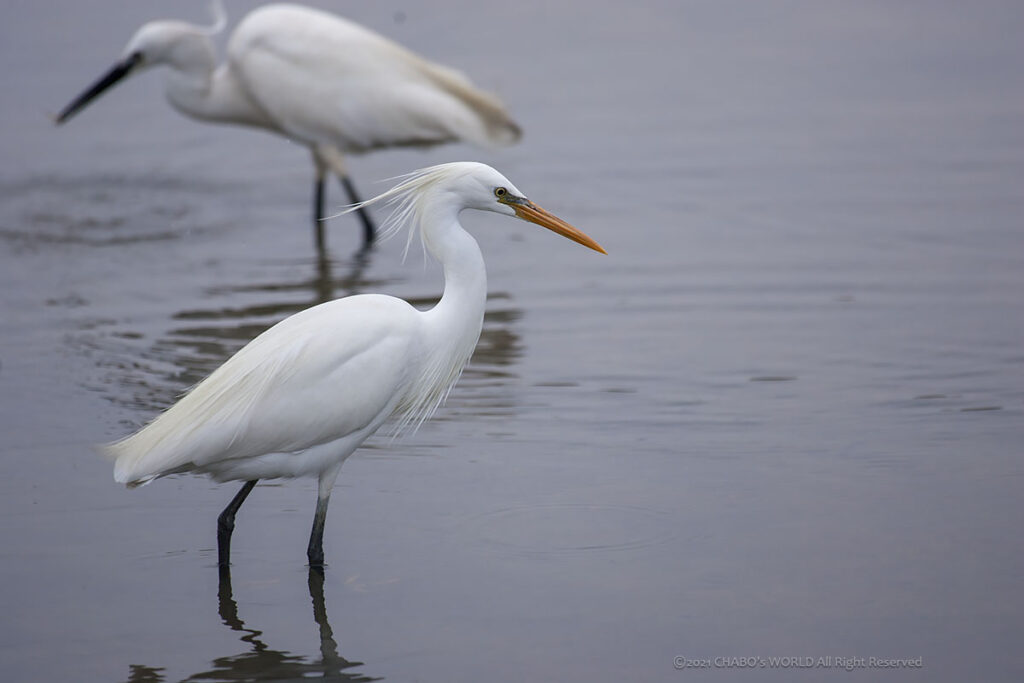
(783, 418)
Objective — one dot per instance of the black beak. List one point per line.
(119, 71)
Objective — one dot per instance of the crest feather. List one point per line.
(404, 199)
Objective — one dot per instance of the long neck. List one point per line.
(452, 327)
(461, 308)
(198, 88)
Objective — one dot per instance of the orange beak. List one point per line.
(529, 211)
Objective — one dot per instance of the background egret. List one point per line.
(302, 396)
(315, 78)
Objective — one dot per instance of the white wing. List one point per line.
(325, 80)
(315, 377)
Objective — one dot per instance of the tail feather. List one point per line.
(125, 463)
(498, 125)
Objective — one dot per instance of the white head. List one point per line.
(450, 188)
(175, 43)
(186, 47)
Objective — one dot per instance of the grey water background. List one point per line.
(782, 418)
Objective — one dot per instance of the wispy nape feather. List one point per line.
(220, 18)
(405, 198)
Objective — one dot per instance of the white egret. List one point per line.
(301, 397)
(316, 78)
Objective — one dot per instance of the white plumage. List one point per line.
(302, 396)
(315, 373)
(370, 92)
(323, 81)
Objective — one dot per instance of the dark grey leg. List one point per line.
(369, 229)
(226, 524)
(315, 551)
(318, 211)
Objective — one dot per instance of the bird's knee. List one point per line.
(225, 522)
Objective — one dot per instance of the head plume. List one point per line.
(407, 198)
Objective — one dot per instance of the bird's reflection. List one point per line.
(149, 372)
(260, 662)
(139, 673)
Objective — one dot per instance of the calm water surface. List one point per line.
(783, 418)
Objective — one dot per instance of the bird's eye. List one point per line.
(500, 192)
